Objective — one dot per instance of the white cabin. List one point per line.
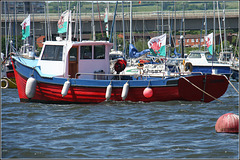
(67, 58)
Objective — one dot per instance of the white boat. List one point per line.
(203, 61)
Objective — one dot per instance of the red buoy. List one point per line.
(227, 123)
(148, 92)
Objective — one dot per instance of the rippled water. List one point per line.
(117, 129)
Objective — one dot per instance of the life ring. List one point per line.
(188, 67)
(2, 82)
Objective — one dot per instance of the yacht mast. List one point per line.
(123, 24)
(130, 36)
(93, 26)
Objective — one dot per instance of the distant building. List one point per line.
(22, 7)
(191, 40)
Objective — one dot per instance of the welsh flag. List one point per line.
(26, 27)
(157, 45)
(63, 22)
(209, 42)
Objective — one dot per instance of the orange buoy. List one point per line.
(148, 92)
(227, 123)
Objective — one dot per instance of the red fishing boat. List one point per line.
(79, 72)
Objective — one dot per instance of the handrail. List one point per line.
(139, 75)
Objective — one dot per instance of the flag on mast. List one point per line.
(63, 22)
(209, 42)
(157, 45)
(26, 27)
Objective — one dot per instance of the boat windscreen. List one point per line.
(53, 53)
(99, 52)
(210, 57)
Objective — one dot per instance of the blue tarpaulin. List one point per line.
(133, 52)
(177, 54)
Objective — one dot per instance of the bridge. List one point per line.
(142, 21)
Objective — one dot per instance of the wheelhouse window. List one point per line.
(210, 57)
(99, 52)
(86, 52)
(73, 54)
(53, 53)
(194, 55)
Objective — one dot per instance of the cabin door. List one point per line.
(73, 62)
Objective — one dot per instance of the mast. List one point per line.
(205, 5)
(124, 51)
(183, 20)
(213, 27)
(93, 26)
(80, 22)
(45, 30)
(5, 9)
(115, 35)
(69, 24)
(224, 27)
(76, 21)
(220, 30)
(15, 14)
(175, 25)
(33, 29)
(162, 18)
(130, 23)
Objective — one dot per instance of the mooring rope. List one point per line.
(10, 80)
(201, 89)
(232, 85)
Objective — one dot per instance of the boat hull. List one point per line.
(48, 89)
(208, 69)
(51, 93)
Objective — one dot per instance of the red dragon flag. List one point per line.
(26, 27)
(209, 42)
(157, 45)
(63, 22)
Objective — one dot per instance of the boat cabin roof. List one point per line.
(201, 57)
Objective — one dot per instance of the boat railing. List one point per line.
(104, 76)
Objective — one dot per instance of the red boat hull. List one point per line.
(201, 87)
(51, 93)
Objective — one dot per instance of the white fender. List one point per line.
(108, 92)
(125, 91)
(65, 88)
(30, 88)
(6, 82)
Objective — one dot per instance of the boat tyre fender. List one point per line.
(2, 83)
(188, 67)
